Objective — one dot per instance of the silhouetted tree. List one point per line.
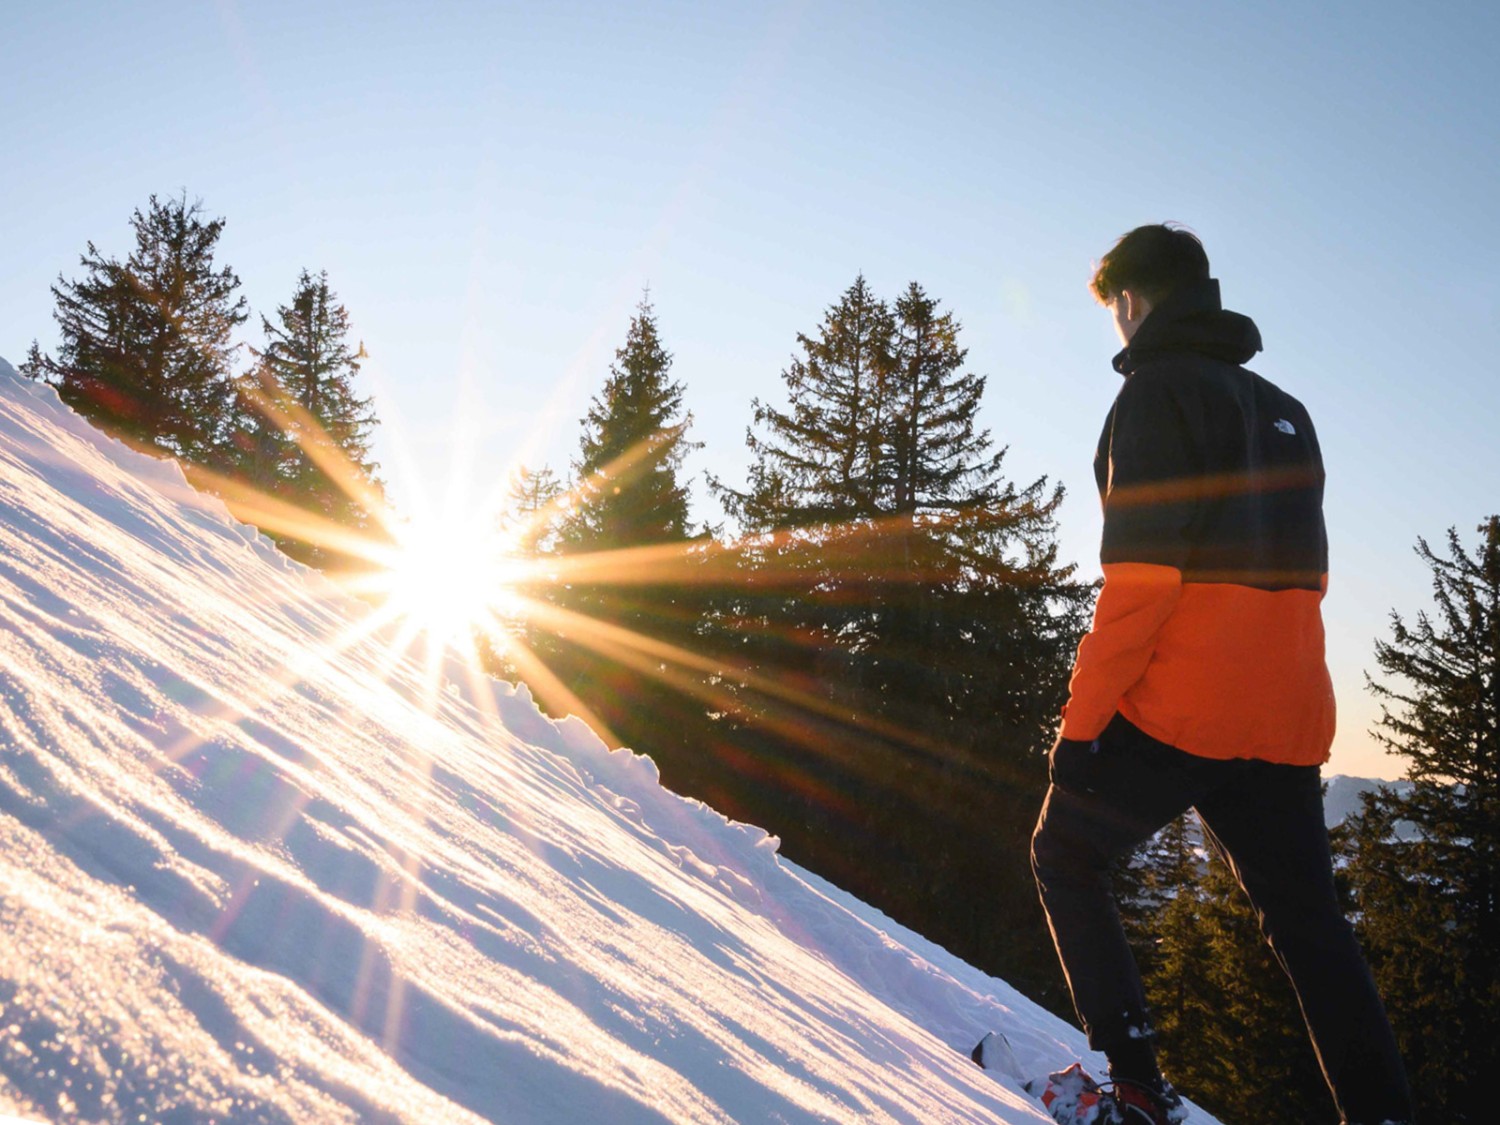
(634, 440)
(146, 347)
(611, 615)
(305, 382)
(820, 460)
(899, 632)
(1425, 864)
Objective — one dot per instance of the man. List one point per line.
(1202, 682)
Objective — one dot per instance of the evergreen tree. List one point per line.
(146, 346)
(963, 544)
(1237, 1005)
(1425, 866)
(258, 451)
(898, 634)
(627, 495)
(633, 444)
(919, 571)
(534, 511)
(821, 460)
(321, 428)
(34, 365)
(1164, 871)
(937, 458)
(531, 525)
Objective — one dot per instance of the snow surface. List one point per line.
(252, 869)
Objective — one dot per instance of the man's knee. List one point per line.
(1060, 845)
(1041, 850)
(1323, 932)
(1306, 930)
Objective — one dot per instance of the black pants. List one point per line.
(1266, 821)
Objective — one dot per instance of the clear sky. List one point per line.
(491, 187)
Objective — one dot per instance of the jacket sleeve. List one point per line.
(1150, 499)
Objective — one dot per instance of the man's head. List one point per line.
(1143, 268)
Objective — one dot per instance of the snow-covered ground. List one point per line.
(252, 869)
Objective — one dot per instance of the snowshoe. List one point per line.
(1072, 1097)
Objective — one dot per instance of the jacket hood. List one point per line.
(1191, 319)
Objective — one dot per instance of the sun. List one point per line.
(451, 576)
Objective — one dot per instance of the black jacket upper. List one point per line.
(1205, 466)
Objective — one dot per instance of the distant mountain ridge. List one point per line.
(1342, 797)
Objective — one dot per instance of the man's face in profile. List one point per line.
(1129, 309)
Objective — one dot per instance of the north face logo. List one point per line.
(1285, 427)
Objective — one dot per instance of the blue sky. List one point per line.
(491, 187)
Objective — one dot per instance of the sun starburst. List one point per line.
(448, 575)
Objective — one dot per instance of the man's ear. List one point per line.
(1136, 306)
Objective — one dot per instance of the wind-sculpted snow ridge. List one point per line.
(252, 870)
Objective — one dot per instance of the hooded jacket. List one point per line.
(1208, 632)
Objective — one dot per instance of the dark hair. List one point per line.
(1151, 261)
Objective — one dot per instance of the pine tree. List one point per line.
(820, 461)
(877, 497)
(1165, 869)
(811, 510)
(1425, 866)
(966, 545)
(529, 530)
(632, 448)
(303, 384)
(937, 458)
(146, 347)
(34, 365)
(627, 494)
(532, 525)
(534, 512)
(258, 450)
(899, 635)
(1163, 906)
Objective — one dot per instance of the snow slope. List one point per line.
(252, 870)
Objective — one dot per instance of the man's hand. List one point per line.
(1080, 745)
